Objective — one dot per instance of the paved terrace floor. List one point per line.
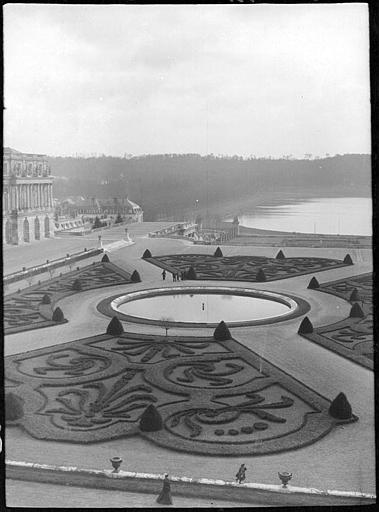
(343, 460)
(53, 496)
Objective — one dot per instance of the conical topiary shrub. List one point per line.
(347, 259)
(135, 277)
(191, 274)
(151, 420)
(356, 311)
(146, 254)
(313, 284)
(306, 326)
(77, 285)
(222, 332)
(115, 327)
(105, 259)
(340, 408)
(14, 407)
(218, 253)
(280, 255)
(46, 299)
(58, 315)
(261, 276)
(354, 297)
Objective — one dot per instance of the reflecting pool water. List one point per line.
(203, 308)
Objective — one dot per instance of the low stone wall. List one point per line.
(52, 264)
(273, 495)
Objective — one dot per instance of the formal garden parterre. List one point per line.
(241, 268)
(200, 395)
(33, 307)
(352, 337)
(214, 397)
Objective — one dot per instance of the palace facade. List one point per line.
(28, 210)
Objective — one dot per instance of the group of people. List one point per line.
(165, 496)
(176, 276)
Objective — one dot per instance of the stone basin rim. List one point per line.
(296, 305)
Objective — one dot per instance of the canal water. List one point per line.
(343, 216)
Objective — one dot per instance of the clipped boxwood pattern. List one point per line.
(352, 337)
(242, 268)
(21, 309)
(110, 386)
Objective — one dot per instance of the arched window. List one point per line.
(37, 229)
(26, 231)
(8, 232)
(47, 227)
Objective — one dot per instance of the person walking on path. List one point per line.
(241, 475)
(173, 276)
(165, 496)
(164, 275)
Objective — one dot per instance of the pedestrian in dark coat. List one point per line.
(173, 276)
(241, 475)
(182, 274)
(165, 496)
(164, 275)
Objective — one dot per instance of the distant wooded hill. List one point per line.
(168, 185)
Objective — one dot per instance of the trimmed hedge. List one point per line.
(135, 277)
(146, 254)
(280, 255)
(58, 315)
(306, 326)
(77, 285)
(218, 253)
(151, 420)
(356, 311)
(191, 274)
(46, 299)
(14, 407)
(348, 260)
(222, 332)
(115, 327)
(340, 408)
(105, 259)
(261, 276)
(313, 284)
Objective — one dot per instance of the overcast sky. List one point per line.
(222, 79)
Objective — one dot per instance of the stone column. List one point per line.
(29, 196)
(51, 195)
(39, 195)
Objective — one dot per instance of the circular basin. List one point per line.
(203, 306)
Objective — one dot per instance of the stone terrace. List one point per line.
(322, 464)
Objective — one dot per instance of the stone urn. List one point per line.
(116, 463)
(285, 477)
